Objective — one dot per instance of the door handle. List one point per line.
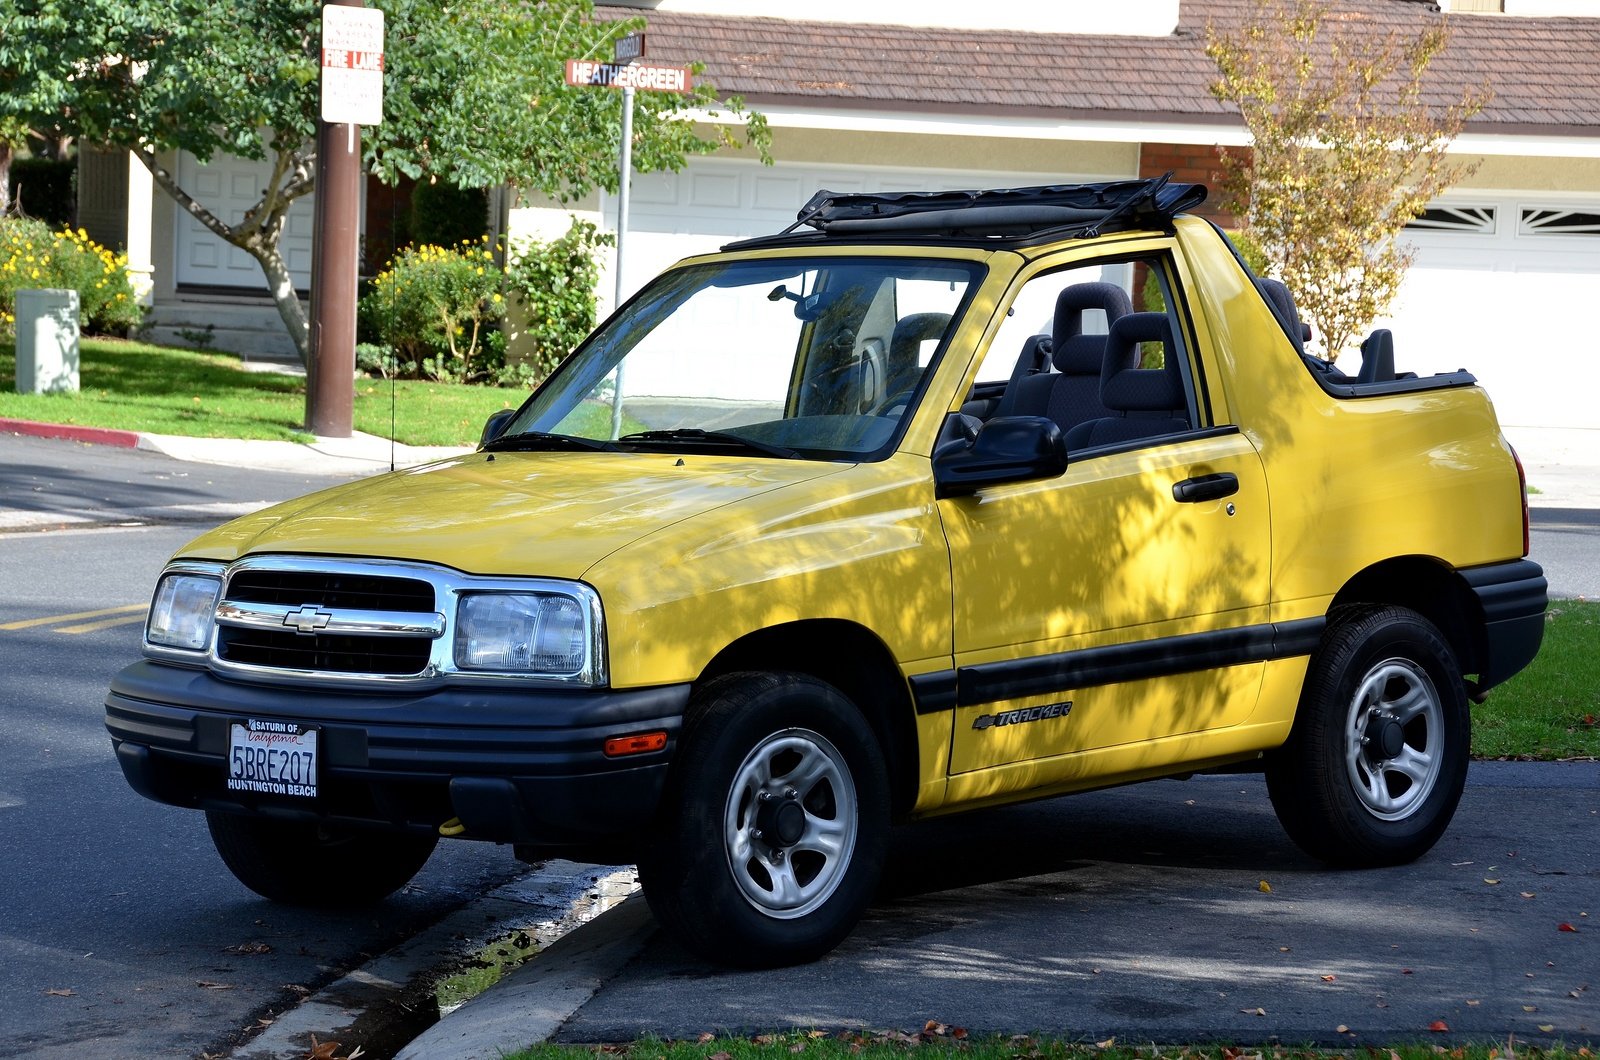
(1205, 488)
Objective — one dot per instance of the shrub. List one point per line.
(554, 285)
(34, 256)
(435, 307)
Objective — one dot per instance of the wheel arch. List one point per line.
(1433, 589)
(852, 659)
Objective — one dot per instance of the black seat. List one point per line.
(1281, 301)
(1070, 394)
(1377, 358)
(1143, 402)
(904, 369)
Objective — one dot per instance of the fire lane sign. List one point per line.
(583, 73)
(352, 65)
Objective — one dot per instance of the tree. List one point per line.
(1346, 151)
(473, 94)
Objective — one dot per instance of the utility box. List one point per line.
(47, 341)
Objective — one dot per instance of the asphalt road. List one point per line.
(1566, 541)
(1140, 914)
(121, 933)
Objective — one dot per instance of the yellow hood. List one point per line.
(551, 514)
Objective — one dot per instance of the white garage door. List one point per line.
(715, 201)
(1501, 286)
(228, 186)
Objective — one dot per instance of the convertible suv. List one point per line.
(907, 510)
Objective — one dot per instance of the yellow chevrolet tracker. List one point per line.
(904, 511)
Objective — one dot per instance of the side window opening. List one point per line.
(1100, 349)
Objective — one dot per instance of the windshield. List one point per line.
(821, 358)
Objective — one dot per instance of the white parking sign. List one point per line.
(352, 65)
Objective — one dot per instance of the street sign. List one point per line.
(352, 65)
(627, 49)
(582, 73)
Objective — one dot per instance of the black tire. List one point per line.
(1374, 767)
(303, 863)
(774, 827)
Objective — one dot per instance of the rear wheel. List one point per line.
(304, 863)
(1377, 759)
(775, 824)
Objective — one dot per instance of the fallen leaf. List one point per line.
(62, 991)
(1329, 978)
(1439, 1027)
(1491, 883)
(706, 1036)
(1108, 1043)
(1405, 971)
(248, 949)
(1564, 926)
(1254, 1011)
(719, 1056)
(1474, 1004)
(1528, 894)
(208, 985)
(1264, 887)
(1547, 1027)
(1283, 949)
(798, 1047)
(958, 1033)
(1341, 1029)
(1530, 1008)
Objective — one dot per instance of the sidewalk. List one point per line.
(360, 454)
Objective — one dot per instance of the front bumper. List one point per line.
(514, 765)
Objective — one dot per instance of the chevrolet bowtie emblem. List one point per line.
(308, 619)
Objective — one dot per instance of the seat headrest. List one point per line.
(1072, 354)
(1124, 387)
(1278, 296)
(914, 329)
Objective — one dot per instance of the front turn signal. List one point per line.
(639, 744)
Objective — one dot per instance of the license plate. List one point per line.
(273, 758)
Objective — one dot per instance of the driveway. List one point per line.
(1174, 911)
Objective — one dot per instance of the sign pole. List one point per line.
(624, 173)
(352, 57)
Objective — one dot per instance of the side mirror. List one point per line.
(1006, 449)
(496, 425)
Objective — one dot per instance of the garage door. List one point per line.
(1501, 286)
(714, 201)
(229, 186)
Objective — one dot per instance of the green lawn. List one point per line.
(135, 386)
(938, 1040)
(1551, 709)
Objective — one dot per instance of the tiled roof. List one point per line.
(1545, 72)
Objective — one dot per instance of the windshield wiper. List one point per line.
(694, 436)
(536, 441)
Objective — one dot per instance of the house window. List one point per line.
(1471, 220)
(1545, 221)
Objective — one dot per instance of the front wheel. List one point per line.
(304, 863)
(1377, 759)
(774, 829)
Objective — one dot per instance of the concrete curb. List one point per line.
(547, 904)
(532, 1003)
(71, 433)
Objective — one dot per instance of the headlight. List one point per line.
(524, 633)
(184, 611)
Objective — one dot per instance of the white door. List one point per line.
(228, 186)
(1501, 286)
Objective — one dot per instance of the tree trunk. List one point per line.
(5, 178)
(290, 311)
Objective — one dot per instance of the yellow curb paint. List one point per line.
(53, 619)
